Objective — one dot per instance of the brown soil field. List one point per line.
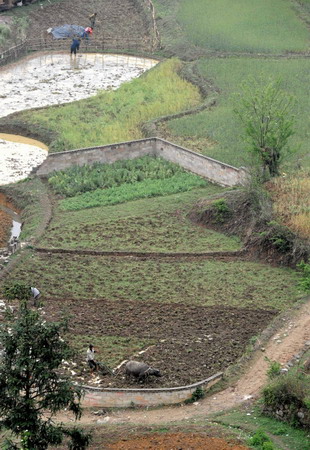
(191, 342)
(175, 441)
(5, 225)
(5, 220)
(122, 20)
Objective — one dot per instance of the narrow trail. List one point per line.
(288, 341)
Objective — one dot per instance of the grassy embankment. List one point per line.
(116, 116)
(291, 197)
(219, 135)
(247, 26)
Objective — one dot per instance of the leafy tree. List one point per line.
(266, 113)
(31, 389)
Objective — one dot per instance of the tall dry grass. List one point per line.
(291, 196)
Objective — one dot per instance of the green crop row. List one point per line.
(180, 182)
(78, 180)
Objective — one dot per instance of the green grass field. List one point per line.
(243, 25)
(283, 436)
(116, 116)
(220, 126)
(162, 224)
(238, 283)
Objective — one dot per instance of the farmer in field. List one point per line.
(90, 358)
(75, 45)
(36, 294)
(92, 19)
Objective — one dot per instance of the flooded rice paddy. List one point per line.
(51, 79)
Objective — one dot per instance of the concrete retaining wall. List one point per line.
(103, 154)
(122, 398)
(204, 166)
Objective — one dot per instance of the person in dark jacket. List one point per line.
(75, 45)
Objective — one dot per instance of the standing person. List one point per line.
(75, 45)
(36, 294)
(90, 358)
(92, 19)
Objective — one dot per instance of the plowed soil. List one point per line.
(177, 441)
(121, 20)
(191, 342)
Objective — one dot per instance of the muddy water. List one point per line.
(18, 156)
(23, 140)
(51, 79)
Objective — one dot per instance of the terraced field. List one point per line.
(174, 292)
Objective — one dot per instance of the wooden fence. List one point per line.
(47, 43)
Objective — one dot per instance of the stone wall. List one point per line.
(204, 166)
(122, 398)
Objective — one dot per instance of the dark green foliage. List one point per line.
(198, 394)
(305, 276)
(274, 369)
(265, 112)
(261, 441)
(31, 389)
(78, 180)
(221, 209)
(17, 290)
(289, 392)
(279, 237)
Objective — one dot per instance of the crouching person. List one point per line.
(90, 358)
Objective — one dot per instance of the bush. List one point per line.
(17, 290)
(221, 210)
(305, 276)
(4, 33)
(288, 393)
(196, 395)
(274, 369)
(261, 440)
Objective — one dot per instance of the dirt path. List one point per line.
(282, 347)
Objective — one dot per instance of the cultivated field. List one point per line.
(245, 26)
(194, 314)
(162, 302)
(218, 129)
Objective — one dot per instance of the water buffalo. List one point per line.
(140, 370)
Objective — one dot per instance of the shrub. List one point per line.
(305, 276)
(288, 393)
(4, 33)
(274, 369)
(221, 210)
(261, 440)
(17, 290)
(196, 395)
